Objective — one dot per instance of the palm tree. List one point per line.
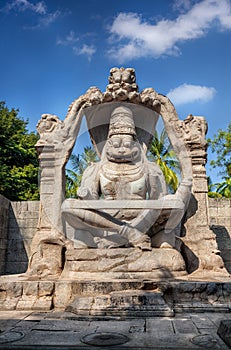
(212, 189)
(162, 153)
(224, 188)
(79, 163)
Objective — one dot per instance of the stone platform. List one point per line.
(129, 298)
(123, 263)
(61, 330)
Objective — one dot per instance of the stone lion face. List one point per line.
(122, 148)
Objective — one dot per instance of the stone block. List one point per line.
(81, 305)
(91, 266)
(30, 288)
(228, 266)
(4, 202)
(62, 294)
(26, 303)
(3, 244)
(28, 233)
(45, 288)
(14, 233)
(33, 206)
(27, 222)
(213, 211)
(110, 264)
(9, 304)
(43, 303)
(3, 294)
(226, 255)
(185, 327)
(81, 254)
(223, 221)
(16, 251)
(12, 224)
(224, 331)
(14, 289)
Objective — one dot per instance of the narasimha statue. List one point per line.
(124, 175)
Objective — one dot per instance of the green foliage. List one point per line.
(79, 163)
(18, 157)
(221, 146)
(162, 153)
(212, 189)
(222, 189)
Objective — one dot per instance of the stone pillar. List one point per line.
(200, 246)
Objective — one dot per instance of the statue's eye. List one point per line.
(127, 144)
(116, 144)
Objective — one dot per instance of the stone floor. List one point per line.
(64, 330)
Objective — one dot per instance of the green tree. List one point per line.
(212, 193)
(79, 163)
(221, 146)
(18, 157)
(162, 153)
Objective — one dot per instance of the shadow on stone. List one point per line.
(16, 255)
(224, 244)
(224, 331)
(191, 260)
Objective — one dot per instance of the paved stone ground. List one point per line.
(64, 330)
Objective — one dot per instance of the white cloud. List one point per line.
(45, 18)
(181, 5)
(23, 5)
(187, 93)
(69, 40)
(49, 18)
(137, 38)
(87, 50)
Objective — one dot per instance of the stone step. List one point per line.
(130, 303)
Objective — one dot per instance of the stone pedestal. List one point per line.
(122, 263)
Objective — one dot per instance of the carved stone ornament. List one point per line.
(123, 201)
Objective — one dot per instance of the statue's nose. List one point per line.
(122, 150)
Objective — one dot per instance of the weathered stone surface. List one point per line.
(43, 303)
(62, 294)
(45, 288)
(128, 302)
(224, 331)
(130, 260)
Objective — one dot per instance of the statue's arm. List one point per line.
(156, 182)
(89, 188)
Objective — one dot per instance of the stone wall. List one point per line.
(4, 214)
(18, 224)
(220, 221)
(17, 227)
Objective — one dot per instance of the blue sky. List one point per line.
(52, 51)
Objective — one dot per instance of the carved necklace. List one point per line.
(118, 172)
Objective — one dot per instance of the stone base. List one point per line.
(123, 263)
(134, 297)
(130, 303)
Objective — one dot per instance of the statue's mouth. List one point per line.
(123, 158)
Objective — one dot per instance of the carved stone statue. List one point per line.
(122, 202)
(124, 174)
